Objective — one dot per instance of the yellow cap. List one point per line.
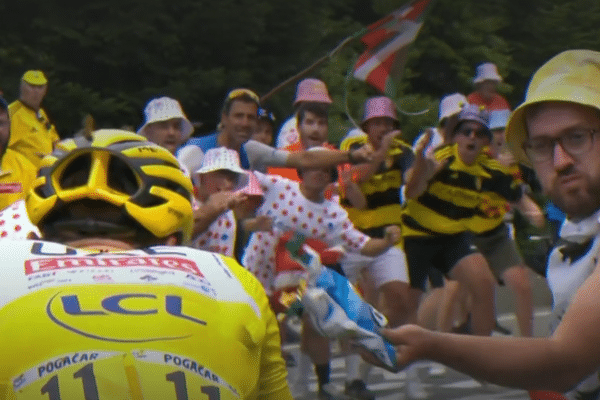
(35, 77)
(572, 76)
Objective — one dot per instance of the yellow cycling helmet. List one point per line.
(112, 184)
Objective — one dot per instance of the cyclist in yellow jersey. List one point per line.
(16, 172)
(33, 134)
(109, 307)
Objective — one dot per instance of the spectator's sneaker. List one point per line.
(437, 369)
(290, 361)
(415, 390)
(500, 329)
(330, 391)
(357, 389)
(299, 389)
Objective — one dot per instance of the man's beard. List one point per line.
(578, 204)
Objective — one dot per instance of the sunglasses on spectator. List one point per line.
(480, 133)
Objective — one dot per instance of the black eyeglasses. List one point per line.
(575, 142)
(480, 133)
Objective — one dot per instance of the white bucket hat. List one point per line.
(221, 158)
(486, 71)
(163, 109)
(498, 119)
(452, 104)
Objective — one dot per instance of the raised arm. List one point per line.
(422, 170)
(531, 211)
(216, 205)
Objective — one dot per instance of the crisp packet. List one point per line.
(337, 310)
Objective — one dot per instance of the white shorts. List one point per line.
(387, 267)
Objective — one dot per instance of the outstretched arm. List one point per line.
(260, 155)
(555, 363)
(531, 211)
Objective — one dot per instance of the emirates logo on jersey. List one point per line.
(11, 187)
(54, 263)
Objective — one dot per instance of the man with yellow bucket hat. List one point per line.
(555, 131)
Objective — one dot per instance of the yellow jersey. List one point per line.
(31, 132)
(16, 177)
(462, 197)
(382, 190)
(169, 323)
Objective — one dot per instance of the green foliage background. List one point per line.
(109, 57)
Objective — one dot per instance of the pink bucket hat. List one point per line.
(313, 90)
(380, 106)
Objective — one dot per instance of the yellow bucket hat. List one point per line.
(572, 76)
(34, 77)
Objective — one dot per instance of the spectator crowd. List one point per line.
(424, 230)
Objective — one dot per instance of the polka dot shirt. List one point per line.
(290, 210)
(15, 223)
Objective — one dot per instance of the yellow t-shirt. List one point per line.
(382, 190)
(31, 133)
(16, 176)
(167, 323)
(461, 197)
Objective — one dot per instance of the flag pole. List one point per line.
(313, 66)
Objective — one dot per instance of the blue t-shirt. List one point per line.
(205, 142)
(210, 142)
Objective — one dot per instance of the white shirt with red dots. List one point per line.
(15, 223)
(219, 237)
(290, 210)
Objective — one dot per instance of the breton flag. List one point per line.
(387, 43)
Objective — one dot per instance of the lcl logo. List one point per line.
(133, 317)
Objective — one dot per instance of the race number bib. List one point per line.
(87, 375)
(167, 376)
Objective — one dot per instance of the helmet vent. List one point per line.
(77, 173)
(121, 177)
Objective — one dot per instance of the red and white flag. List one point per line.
(387, 43)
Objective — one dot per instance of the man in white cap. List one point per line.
(165, 123)
(486, 94)
(32, 133)
(450, 106)
(556, 131)
(309, 90)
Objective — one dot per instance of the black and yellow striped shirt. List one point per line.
(462, 197)
(382, 190)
